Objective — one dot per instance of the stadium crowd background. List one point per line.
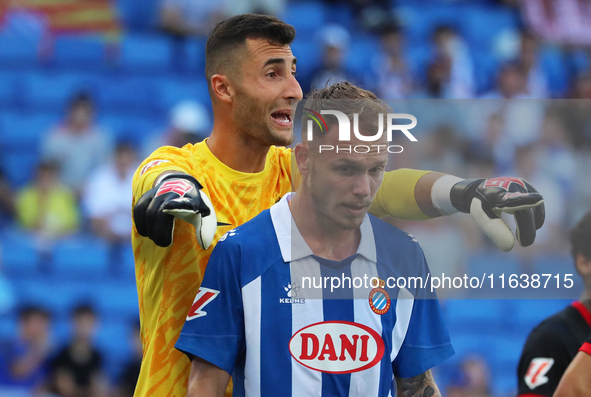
(88, 88)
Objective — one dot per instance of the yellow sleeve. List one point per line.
(166, 158)
(396, 195)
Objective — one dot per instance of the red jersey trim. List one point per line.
(531, 395)
(583, 310)
(586, 348)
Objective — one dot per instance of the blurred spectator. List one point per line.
(24, 360)
(182, 18)
(449, 45)
(557, 158)
(6, 199)
(46, 206)
(190, 122)
(392, 78)
(131, 371)
(335, 41)
(559, 21)
(492, 146)
(107, 196)
(77, 145)
(76, 371)
(528, 59)
(436, 85)
(472, 379)
(511, 83)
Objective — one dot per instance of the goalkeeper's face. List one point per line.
(343, 184)
(266, 92)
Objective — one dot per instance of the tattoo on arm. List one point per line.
(422, 385)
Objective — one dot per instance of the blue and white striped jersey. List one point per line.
(260, 319)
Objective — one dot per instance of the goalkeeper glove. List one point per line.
(486, 199)
(175, 196)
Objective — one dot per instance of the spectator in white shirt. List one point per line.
(107, 196)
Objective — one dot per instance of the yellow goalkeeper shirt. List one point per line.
(168, 278)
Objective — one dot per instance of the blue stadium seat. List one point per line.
(56, 293)
(480, 25)
(195, 57)
(17, 51)
(308, 54)
(492, 262)
(529, 313)
(79, 51)
(8, 327)
(24, 131)
(130, 128)
(9, 84)
(138, 16)
(360, 54)
(554, 264)
(81, 257)
(124, 94)
(172, 91)
(473, 311)
(18, 254)
(52, 91)
(145, 53)
(127, 263)
(19, 167)
(118, 300)
(305, 16)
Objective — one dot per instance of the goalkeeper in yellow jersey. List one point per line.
(185, 199)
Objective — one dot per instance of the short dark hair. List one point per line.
(347, 98)
(83, 309)
(81, 98)
(26, 312)
(580, 237)
(231, 34)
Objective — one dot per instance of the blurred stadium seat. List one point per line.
(19, 255)
(118, 300)
(145, 53)
(81, 257)
(52, 91)
(306, 17)
(73, 52)
(172, 91)
(18, 52)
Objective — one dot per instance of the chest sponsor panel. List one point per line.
(337, 347)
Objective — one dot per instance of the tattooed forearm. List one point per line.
(422, 385)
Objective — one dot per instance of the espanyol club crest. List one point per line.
(379, 301)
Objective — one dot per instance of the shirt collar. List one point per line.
(294, 247)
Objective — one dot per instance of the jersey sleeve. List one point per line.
(396, 195)
(543, 362)
(427, 341)
(586, 348)
(214, 328)
(166, 158)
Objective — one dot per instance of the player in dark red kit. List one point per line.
(554, 343)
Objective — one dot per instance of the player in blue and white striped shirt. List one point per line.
(259, 317)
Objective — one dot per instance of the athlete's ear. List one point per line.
(222, 88)
(302, 156)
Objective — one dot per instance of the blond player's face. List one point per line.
(266, 92)
(344, 184)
